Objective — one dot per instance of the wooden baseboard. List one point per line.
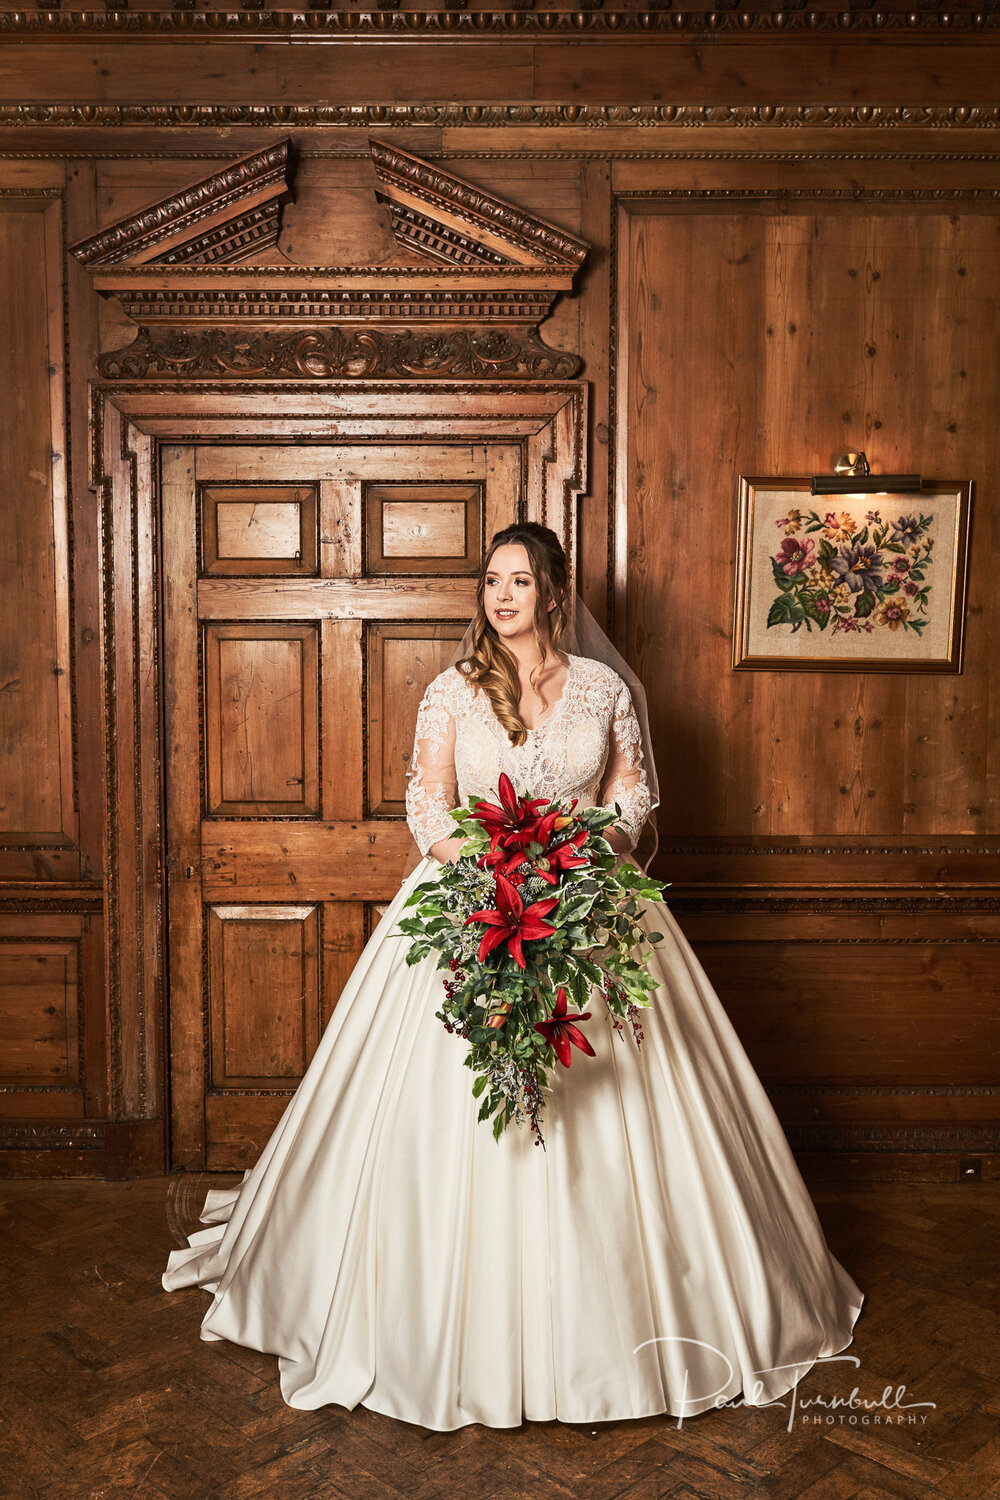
(121, 1150)
(112, 1150)
(844, 1167)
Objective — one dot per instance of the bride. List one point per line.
(660, 1255)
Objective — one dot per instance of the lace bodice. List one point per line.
(589, 746)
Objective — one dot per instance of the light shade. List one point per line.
(863, 484)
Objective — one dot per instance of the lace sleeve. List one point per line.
(624, 778)
(431, 782)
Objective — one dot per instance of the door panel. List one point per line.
(310, 594)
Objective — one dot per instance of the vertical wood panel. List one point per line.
(36, 763)
(691, 424)
(183, 834)
(594, 290)
(81, 220)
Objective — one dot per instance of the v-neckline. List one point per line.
(553, 711)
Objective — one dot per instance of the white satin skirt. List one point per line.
(661, 1254)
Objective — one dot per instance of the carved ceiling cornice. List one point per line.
(665, 117)
(232, 321)
(583, 20)
(225, 218)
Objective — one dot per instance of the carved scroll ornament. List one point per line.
(336, 353)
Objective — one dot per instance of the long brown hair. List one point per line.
(489, 664)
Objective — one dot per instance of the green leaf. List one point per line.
(781, 579)
(864, 604)
(812, 613)
(786, 610)
(479, 1085)
(570, 910)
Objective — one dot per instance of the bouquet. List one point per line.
(534, 917)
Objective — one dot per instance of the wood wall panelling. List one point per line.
(36, 729)
(800, 897)
(769, 333)
(770, 342)
(53, 1022)
(53, 1043)
(40, 1022)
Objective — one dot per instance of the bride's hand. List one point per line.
(448, 850)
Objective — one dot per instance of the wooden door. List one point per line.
(310, 593)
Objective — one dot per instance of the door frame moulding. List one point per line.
(130, 423)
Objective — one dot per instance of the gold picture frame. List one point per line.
(880, 577)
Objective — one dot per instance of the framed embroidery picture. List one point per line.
(851, 582)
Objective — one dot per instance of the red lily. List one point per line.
(554, 822)
(562, 857)
(559, 1030)
(512, 922)
(515, 815)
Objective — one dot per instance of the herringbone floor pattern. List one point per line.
(107, 1390)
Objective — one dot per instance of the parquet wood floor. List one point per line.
(107, 1390)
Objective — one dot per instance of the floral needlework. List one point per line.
(851, 574)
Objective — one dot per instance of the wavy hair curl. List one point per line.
(489, 664)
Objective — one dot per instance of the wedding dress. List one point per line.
(660, 1253)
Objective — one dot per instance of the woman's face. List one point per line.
(510, 593)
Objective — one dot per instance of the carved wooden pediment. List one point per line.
(179, 268)
(226, 218)
(448, 220)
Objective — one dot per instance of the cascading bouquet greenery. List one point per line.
(535, 915)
